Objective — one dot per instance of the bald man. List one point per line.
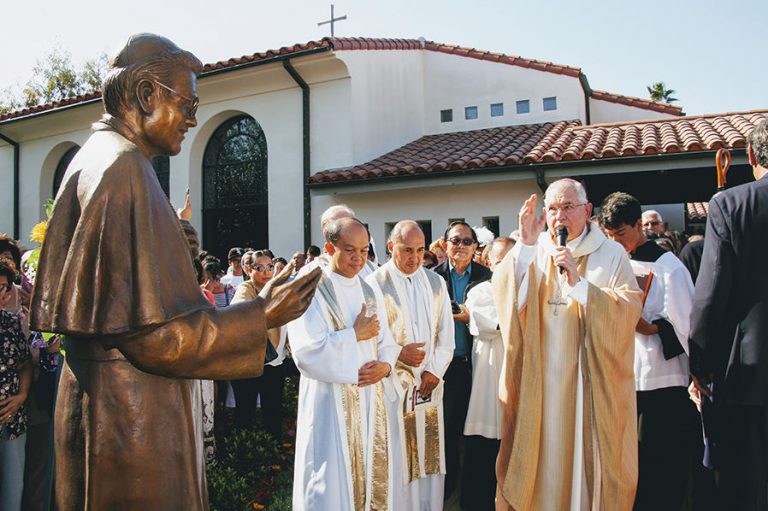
(418, 312)
(345, 353)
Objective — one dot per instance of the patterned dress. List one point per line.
(14, 352)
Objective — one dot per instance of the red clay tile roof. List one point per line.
(546, 143)
(645, 104)
(340, 44)
(697, 211)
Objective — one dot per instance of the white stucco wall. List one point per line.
(434, 203)
(454, 82)
(6, 188)
(605, 111)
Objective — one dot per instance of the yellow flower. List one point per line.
(38, 232)
(256, 506)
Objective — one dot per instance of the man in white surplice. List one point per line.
(482, 428)
(345, 353)
(419, 317)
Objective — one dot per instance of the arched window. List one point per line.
(235, 201)
(61, 168)
(162, 166)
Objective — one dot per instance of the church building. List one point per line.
(394, 128)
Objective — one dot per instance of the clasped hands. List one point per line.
(413, 355)
(366, 328)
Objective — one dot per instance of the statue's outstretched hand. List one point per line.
(286, 301)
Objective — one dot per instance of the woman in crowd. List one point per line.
(437, 248)
(15, 382)
(269, 386)
(222, 293)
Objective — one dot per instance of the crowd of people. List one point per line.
(587, 361)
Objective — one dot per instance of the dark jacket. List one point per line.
(478, 273)
(730, 311)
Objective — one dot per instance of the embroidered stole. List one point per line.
(424, 452)
(368, 468)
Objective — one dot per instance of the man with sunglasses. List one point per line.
(460, 275)
(116, 278)
(568, 302)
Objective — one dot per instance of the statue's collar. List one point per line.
(111, 123)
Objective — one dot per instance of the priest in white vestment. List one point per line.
(482, 428)
(345, 353)
(569, 433)
(418, 313)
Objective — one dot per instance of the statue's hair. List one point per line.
(128, 68)
(758, 139)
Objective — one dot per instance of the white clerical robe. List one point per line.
(484, 411)
(418, 310)
(330, 472)
(669, 297)
(560, 474)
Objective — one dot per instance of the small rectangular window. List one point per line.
(497, 109)
(523, 106)
(550, 104)
(492, 223)
(470, 113)
(446, 115)
(426, 228)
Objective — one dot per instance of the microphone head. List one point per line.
(561, 233)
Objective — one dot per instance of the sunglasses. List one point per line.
(261, 267)
(461, 241)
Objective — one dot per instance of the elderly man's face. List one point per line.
(408, 250)
(565, 210)
(298, 260)
(174, 114)
(349, 254)
(653, 223)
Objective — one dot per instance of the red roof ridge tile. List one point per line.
(646, 104)
(664, 120)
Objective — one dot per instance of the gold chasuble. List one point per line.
(569, 438)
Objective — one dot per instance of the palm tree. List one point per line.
(659, 92)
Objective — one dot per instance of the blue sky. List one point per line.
(709, 51)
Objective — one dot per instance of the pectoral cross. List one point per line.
(332, 21)
(559, 301)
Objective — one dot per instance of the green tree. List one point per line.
(659, 92)
(55, 78)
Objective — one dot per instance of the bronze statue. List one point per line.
(116, 278)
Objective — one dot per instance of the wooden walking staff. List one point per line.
(722, 162)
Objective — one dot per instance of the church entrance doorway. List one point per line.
(235, 205)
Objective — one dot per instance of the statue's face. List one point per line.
(165, 127)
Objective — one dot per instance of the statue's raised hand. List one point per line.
(285, 301)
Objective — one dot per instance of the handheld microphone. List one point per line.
(561, 233)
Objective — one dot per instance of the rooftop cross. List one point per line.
(332, 21)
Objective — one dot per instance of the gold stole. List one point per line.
(606, 343)
(397, 324)
(370, 491)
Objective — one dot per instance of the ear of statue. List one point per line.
(145, 96)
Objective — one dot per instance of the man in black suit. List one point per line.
(729, 353)
(460, 274)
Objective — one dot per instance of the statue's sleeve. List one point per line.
(211, 344)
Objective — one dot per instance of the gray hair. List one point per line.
(650, 212)
(133, 64)
(402, 225)
(758, 139)
(335, 213)
(335, 229)
(558, 185)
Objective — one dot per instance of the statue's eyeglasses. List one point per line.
(191, 103)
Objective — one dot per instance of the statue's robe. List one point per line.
(569, 433)
(343, 441)
(418, 310)
(116, 278)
